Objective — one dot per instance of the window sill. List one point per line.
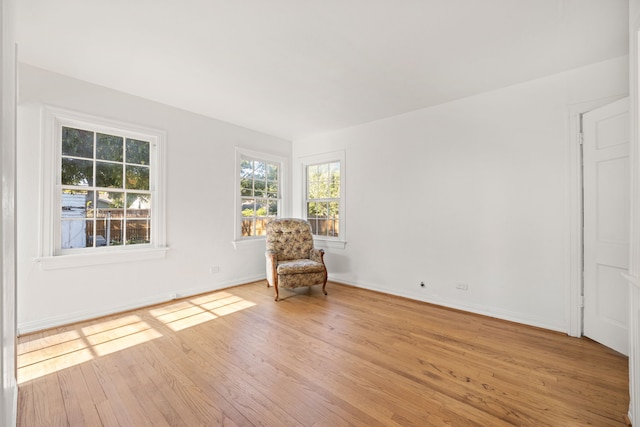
(329, 244)
(249, 243)
(84, 260)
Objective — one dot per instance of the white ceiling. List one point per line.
(294, 68)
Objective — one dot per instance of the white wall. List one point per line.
(200, 207)
(9, 390)
(473, 191)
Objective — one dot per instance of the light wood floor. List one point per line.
(355, 357)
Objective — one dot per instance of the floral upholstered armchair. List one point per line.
(292, 260)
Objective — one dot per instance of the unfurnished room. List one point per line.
(335, 213)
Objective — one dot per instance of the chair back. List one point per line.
(290, 238)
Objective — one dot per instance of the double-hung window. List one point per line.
(324, 195)
(104, 186)
(260, 190)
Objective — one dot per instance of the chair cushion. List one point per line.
(299, 266)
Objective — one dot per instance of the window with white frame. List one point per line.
(323, 195)
(260, 193)
(104, 186)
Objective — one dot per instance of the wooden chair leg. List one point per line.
(276, 288)
(324, 284)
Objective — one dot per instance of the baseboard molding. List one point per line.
(79, 316)
(9, 409)
(54, 322)
(14, 408)
(456, 305)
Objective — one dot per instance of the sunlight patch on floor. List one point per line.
(195, 311)
(43, 356)
(119, 334)
(51, 353)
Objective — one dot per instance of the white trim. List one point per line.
(285, 206)
(333, 156)
(634, 225)
(320, 242)
(574, 208)
(52, 119)
(100, 258)
(510, 316)
(79, 316)
(250, 243)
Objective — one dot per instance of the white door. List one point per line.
(606, 224)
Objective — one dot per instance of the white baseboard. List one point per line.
(52, 322)
(79, 316)
(14, 408)
(9, 408)
(471, 308)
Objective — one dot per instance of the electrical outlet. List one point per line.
(214, 270)
(462, 286)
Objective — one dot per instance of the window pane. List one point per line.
(272, 172)
(137, 177)
(246, 169)
(311, 210)
(138, 205)
(72, 233)
(77, 172)
(322, 210)
(272, 189)
(90, 203)
(89, 233)
(322, 227)
(248, 208)
(246, 187)
(259, 188)
(334, 182)
(138, 232)
(323, 190)
(77, 142)
(109, 175)
(261, 226)
(334, 168)
(260, 170)
(323, 171)
(273, 208)
(109, 147)
(137, 152)
(313, 189)
(74, 204)
(110, 204)
(248, 228)
(108, 231)
(314, 226)
(261, 207)
(334, 209)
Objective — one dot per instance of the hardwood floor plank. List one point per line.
(353, 358)
(74, 390)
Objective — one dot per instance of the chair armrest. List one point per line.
(317, 255)
(270, 253)
(272, 265)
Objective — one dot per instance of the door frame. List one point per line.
(575, 255)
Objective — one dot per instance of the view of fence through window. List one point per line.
(323, 198)
(259, 195)
(106, 197)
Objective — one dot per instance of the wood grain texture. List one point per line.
(237, 358)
